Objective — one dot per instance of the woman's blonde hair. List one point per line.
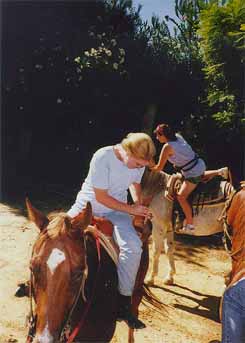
(140, 145)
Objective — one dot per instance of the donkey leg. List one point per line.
(157, 236)
(169, 250)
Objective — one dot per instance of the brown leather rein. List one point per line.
(66, 336)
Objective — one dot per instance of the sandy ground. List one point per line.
(191, 304)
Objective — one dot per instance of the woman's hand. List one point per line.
(151, 164)
(140, 210)
(156, 168)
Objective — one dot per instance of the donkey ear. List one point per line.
(36, 216)
(83, 219)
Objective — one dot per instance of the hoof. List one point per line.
(168, 281)
(150, 281)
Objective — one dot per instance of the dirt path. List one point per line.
(191, 314)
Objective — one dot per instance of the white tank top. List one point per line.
(183, 154)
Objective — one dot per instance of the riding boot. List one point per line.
(125, 313)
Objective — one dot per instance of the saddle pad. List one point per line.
(208, 193)
(213, 191)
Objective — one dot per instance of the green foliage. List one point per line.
(186, 36)
(106, 53)
(222, 43)
(93, 70)
(106, 56)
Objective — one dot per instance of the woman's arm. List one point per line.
(107, 200)
(166, 152)
(135, 191)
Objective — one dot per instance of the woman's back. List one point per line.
(183, 152)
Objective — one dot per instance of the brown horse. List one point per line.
(74, 281)
(232, 305)
(234, 228)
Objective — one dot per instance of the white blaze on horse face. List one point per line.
(45, 336)
(56, 257)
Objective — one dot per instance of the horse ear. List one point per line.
(83, 219)
(36, 216)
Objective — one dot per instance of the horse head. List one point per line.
(58, 265)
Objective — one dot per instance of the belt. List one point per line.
(193, 163)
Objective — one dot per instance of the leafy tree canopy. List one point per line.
(222, 34)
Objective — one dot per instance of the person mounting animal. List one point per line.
(179, 153)
(113, 170)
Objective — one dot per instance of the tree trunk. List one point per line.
(149, 119)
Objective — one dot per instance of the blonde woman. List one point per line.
(113, 170)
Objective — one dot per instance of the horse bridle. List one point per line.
(31, 318)
(66, 336)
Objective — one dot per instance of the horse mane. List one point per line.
(238, 209)
(100, 290)
(57, 227)
(153, 182)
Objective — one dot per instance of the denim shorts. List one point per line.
(195, 179)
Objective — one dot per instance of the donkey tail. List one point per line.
(149, 298)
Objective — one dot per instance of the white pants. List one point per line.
(129, 244)
(130, 251)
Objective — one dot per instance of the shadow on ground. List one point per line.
(207, 306)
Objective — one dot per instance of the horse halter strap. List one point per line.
(75, 331)
(226, 226)
(31, 323)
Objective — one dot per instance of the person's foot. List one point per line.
(224, 172)
(125, 313)
(131, 320)
(22, 290)
(187, 229)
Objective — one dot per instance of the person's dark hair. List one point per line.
(167, 131)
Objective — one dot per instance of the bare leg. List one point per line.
(209, 174)
(185, 190)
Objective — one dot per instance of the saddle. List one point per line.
(213, 193)
(102, 228)
(206, 193)
(105, 226)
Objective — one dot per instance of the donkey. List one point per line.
(206, 215)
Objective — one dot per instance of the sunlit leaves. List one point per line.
(106, 55)
(223, 37)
